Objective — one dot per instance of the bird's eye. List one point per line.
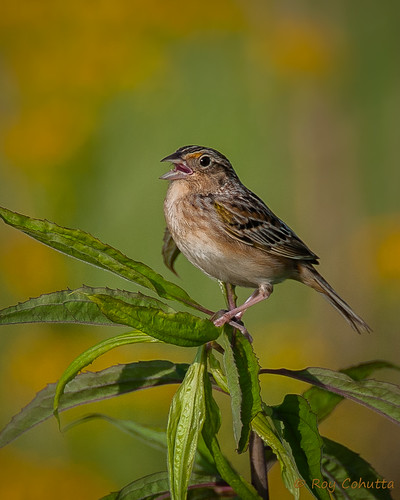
(205, 161)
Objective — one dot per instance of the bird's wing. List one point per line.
(169, 251)
(249, 220)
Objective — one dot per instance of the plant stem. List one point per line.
(231, 295)
(258, 466)
(228, 291)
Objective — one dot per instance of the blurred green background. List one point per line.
(304, 99)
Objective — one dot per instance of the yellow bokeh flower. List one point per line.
(388, 253)
(296, 47)
(66, 60)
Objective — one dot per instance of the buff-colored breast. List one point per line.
(200, 237)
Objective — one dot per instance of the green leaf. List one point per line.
(210, 430)
(144, 488)
(268, 434)
(73, 306)
(169, 251)
(298, 428)
(364, 370)
(204, 461)
(91, 354)
(241, 368)
(342, 468)
(89, 387)
(156, 438)
(86, 248)
(382, 397)
(323, 402)
(180, 328)
(153, 486)
(185, 421)
(215, 369)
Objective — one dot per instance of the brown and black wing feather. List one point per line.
(248, 219)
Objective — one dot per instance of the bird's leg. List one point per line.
(262, 293)
(254, 294)
(230, 296)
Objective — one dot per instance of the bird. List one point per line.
(230, 234)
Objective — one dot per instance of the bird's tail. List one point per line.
(310, 276)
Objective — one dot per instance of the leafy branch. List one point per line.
(287, 434)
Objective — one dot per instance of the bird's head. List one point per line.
(198, 163)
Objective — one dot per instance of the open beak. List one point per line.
(180, 170)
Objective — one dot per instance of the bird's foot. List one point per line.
(222, 317)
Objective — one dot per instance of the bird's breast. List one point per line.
(199, 235)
